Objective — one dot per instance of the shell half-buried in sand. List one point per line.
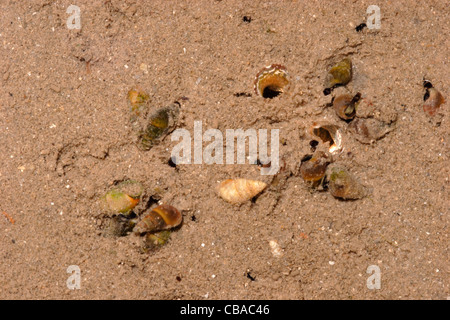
(271, 81)
(153, 241)
(162, 217)
(313, 168)
(138, 100)
(122, 198)
(340, 74)
(433, 100)
(344, 185)
(345, 105)
(368, 130)
(159, 125)
(240, 190)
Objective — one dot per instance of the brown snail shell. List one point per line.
(271, 81)
(368, 130)
(433, 100)
(240, 190)
(328, 133)
(345, 105)
(340, 74)
(162, 217)
(313, 169)
(342, 184)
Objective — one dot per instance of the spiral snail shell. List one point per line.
(340, 74)
(271, 81)
(240, 190)
(345, 106)
(119, 202)
(159, 125)
(122, 198)
(162, 217)
(312, 169)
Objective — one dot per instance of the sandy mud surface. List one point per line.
(67, 138)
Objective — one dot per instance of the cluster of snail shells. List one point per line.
(119, 205)
(341, 183)
(317, 169)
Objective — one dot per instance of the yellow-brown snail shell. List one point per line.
(340, 74)
(138, 100)
(240, 190)
(159, 125)
(122, 198)
(328, 133)
(271, 81)
(313, 169)
(433, 100)
(345, 105)
(162, 217)
(119, 202)
(342, 184)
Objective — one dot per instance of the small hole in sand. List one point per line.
(270, 92)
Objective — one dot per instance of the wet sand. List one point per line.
(67, 139)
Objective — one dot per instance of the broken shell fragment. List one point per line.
(159, 125)
(271, 81)
(345, 106)
(339, 74)
(162, 217)
(153, 241)
(368, 130)
(433, 100)
(240, 190)
(342, 184)
(276, 249)
(138, 100)
(328, 133)
(312, 169)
